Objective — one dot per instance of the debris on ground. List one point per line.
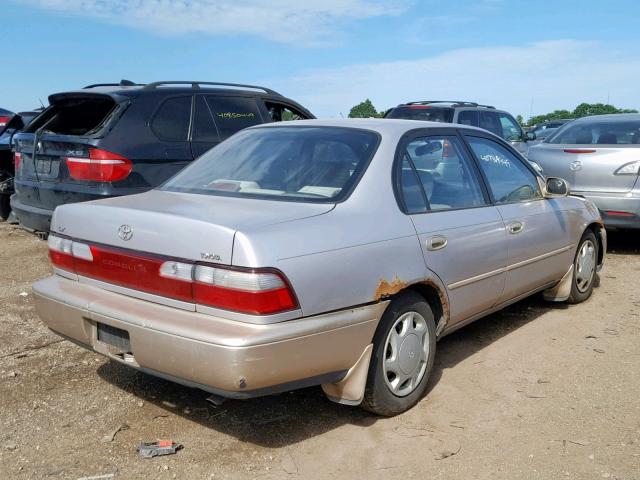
(156, 449)
(110, 436)
(98, 477)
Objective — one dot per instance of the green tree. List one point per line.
(582, 110)
(364, 110)
(520, 120)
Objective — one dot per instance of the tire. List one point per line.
(5, 206)
(388, 393)
(584, 268)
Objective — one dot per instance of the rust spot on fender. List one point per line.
(386, 289)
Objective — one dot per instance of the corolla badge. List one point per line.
(125, 232)
(575, 165)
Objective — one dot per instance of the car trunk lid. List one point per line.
(178, 225)
(588, 168)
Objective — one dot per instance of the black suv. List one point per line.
(118, 139)
(498, 122)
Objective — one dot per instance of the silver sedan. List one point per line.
(331, 253)
(600, 158)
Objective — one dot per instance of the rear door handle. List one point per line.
(437, 242)
(515, 227)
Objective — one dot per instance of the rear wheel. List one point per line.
(584, 268)
(5, 206)
(403, 354)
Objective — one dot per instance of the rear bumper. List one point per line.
(221, 356)
(30, 217)
(628, 206)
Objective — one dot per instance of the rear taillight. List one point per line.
(250, 291)
(4, 120)
(257, 292)
(17, 159)
(631, 168)
(579, 150)
(99, 166)
(616, 213)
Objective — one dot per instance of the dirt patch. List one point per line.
(538, 390)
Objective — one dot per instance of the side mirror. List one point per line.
(530, 136)
(556, 187)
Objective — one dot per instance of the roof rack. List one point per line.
(456, 103)
(123, 83)
(196, 85)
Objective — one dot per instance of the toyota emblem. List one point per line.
(125, 232)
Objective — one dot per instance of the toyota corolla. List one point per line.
(331, 253)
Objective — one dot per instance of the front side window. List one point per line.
(233, 113)
(305, 164)
(171, 121)
(511, 131)
(599, 132)
(279, 112)
(509, 179)
(437, 175)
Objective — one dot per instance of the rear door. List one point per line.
(461, 234)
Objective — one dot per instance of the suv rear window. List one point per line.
(304, 164)
(599, 132)
(75, 116)
(422, 112)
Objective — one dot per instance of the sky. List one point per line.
(527, 57)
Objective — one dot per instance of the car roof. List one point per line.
(612, 117)
(380, 125)
(448, 104)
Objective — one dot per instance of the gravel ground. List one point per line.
(538, 391)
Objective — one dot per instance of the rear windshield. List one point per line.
(78, 116)
(422, 112)
(599, 132)
(305, 164)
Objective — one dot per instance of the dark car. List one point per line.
(118, 139)
(496, 121)
(10, 124)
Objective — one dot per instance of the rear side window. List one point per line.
(509, 179)
(437, 175)
(489, 121)
(233, 113)
(171, 121)
(78, 116)
(422, 112)
(204, 129)
(599, 132)
(468, 117)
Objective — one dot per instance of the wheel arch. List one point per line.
(601, 237)
(434, 293)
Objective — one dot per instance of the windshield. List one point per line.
(306, 164)
(599, 132)
(422, 112)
